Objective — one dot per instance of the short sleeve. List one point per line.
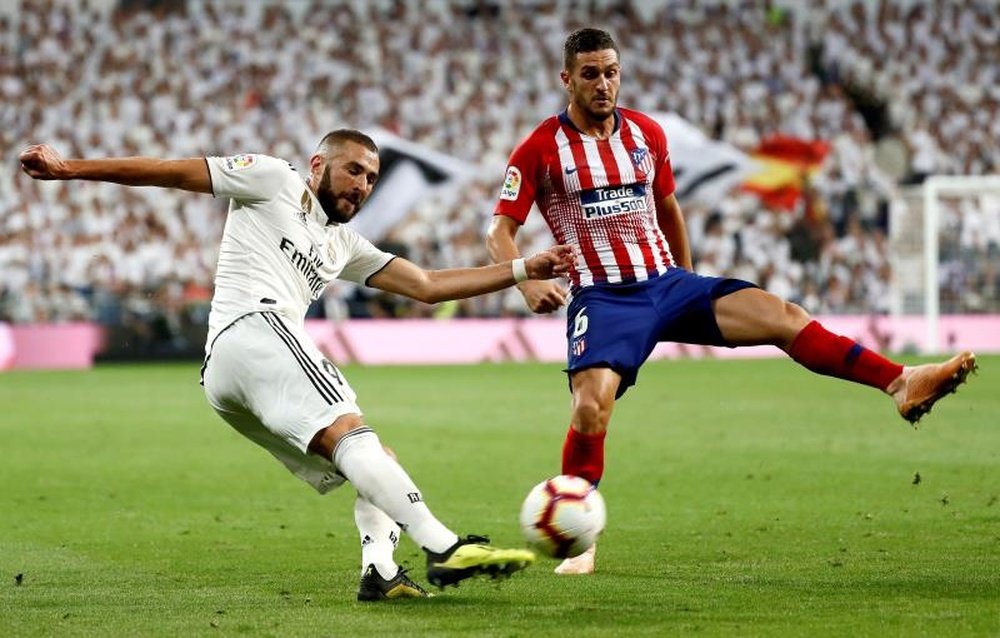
(247, 177)
(663, 185)
(365, 259)
(520, 183)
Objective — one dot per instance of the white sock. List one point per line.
(379, 538)
(386, 485)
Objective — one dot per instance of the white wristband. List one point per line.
(520, 272)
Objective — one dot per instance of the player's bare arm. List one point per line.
(671, 222)
(541, 296)
(41, 161)
(432, 286)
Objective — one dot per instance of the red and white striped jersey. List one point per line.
(600, 195)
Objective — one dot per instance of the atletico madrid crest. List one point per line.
(638, 155)
(579, 345)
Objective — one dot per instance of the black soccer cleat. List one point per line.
(472, 556)
(374, 587)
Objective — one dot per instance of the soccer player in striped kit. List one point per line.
(600, 175)
(285, 239)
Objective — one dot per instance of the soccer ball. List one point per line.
(563, 516)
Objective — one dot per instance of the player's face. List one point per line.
(593, 83)
(347, 178)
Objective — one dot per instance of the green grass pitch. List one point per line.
(744, 498)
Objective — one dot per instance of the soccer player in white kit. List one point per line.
(284, 241)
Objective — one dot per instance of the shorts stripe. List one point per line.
(322, 384)
(204, 364)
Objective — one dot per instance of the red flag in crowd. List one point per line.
(785, 164)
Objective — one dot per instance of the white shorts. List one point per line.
(268, 380)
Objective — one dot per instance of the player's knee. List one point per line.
(794, 319)
(325, 441)
(796, 316)
(589, 416)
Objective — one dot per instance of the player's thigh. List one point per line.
(752, 316)
(273, 370)
(684, 302)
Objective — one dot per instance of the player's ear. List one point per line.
(316, 165)
(564, 76)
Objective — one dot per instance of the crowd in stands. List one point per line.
(899, 89)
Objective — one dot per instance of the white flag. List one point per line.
(704, 169)
(408, 171)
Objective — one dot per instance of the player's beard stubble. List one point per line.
(594, 109)
(330, 200)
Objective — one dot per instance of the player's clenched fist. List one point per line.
(543, 297)
(41, 161)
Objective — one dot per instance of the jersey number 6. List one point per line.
(580, 323)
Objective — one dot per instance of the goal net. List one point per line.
(944, 239)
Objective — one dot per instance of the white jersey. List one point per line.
(278, 253)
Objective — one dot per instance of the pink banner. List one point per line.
(415, 341)
(53, 346)
(430, 341)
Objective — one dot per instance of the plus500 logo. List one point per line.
(614, 200)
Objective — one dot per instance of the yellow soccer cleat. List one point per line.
(472, 556)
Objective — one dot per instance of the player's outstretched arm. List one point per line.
(41, 161)
(541, 296)
(432, 286)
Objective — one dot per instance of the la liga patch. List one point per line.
(511, 184)
(239, 162)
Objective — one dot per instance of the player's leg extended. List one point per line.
(754, 317)
(269, 381)
(593, 400)
(609, 335)
(379, 537)
(358, 454)
(594, 392)
(381, 577)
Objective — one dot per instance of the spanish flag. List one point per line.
(785, 164)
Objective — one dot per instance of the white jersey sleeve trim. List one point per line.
(365, 259)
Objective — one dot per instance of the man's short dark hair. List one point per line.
(586, 40)
(334, 139)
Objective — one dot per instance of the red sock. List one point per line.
(583, 455)
(826, 353)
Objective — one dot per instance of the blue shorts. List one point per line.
(617, 325)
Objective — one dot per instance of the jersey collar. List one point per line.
(312, 208)
(564, 119)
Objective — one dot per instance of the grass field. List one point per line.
(744, 498)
